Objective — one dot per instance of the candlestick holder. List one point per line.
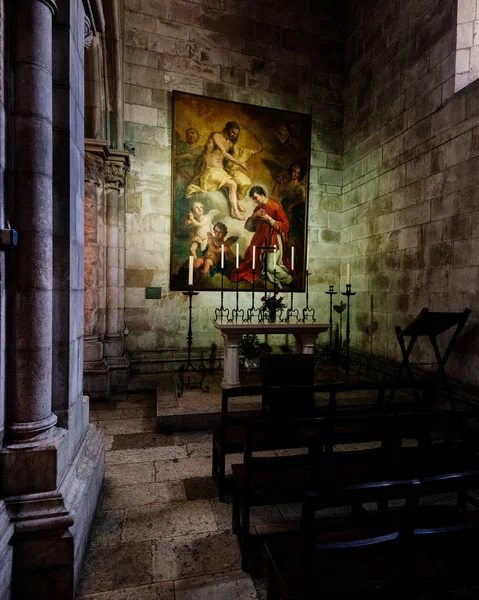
(237, 312)
(329, 354)
(189, 365)
(292, 313)
(308, 313)
(222, 311)
(252, 311)
(348, 293)
(331, 293)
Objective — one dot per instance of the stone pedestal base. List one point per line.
(6, 553)
(52, 528)
(119, 373)
(96, 379)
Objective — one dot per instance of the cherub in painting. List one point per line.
(211, 261)
(201, 225)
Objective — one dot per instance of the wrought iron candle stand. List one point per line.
(222, 311)
(189, 365)
(348, 293)
(329, 354)
(331, 293)
(237, 312)
(292, 312)
(251, 312)
(308, 312)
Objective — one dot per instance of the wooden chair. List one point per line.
(430, 325)
(405, 553)
(228, 438)
(280, 372)
(443, 535)
(274, 479)
(358, 559)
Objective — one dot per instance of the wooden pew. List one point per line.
(416, 550)
(347, 478)
(228, 438)
(360, 559)
(265, 480)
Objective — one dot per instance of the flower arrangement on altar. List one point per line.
(271, 304)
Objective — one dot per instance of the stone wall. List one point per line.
(280, 55)
(411, 176)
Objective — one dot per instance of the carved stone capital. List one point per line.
(93, 168)
(88, 32)
(115, 171)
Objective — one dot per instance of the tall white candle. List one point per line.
(190, 272)
(274, 258)
(237, 255)
(222, 256)
(292, 258)
(348, 274)
(307, 259)
(254, 258)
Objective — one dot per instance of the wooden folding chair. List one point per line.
(431, 324)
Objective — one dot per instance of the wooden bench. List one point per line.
(228, 438)
(419, 549)
(347, 478)
(265, 480)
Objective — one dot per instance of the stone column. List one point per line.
(114, 174)
(32, 416)
(95, 368)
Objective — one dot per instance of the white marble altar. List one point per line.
(305, 335)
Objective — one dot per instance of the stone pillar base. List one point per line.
(113, 346)
(119, 373)
(96, 379)
(52, 528)
(6, 553)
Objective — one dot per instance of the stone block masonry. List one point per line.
(399, 104)
(283, 57)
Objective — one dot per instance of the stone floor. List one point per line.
(160, 532)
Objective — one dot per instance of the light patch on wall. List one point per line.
(467, 43)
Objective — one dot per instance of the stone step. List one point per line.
(194, 409)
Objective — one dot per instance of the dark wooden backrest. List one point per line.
(280, 372)
(444, 534)
(368, 554)
(228, 395)
(278, 434)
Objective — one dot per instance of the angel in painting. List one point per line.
(210, 262)
(290, 189)
(200, 225)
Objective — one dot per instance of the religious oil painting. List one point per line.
(239, 195)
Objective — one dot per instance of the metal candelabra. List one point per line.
(251, 312)
(331, 293)
(292, 312)
(222, 311)
(308, 312)
(348, 293)
(189, 365)
(236, 313)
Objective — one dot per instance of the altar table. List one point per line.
(305, 335)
